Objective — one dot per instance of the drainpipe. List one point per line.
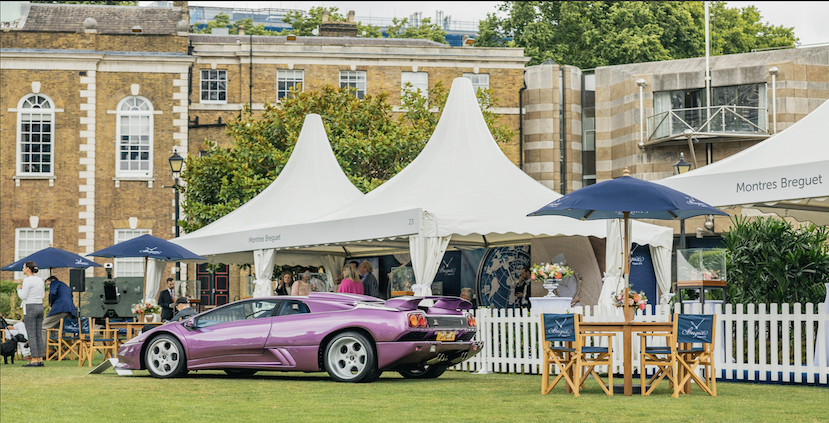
(642, 84)
(521, 126)
(773, 71)
(250, 75)
(562, 130)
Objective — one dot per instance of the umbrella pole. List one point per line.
(145, 278)
(626, 249)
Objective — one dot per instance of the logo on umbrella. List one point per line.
(81, 262)
(694, 202)
(150, 250)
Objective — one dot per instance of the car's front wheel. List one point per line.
(350, 357)
(423, 372)
(164, 357)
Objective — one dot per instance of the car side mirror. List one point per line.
(190, 324)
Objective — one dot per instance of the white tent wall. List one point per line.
(580, 256)
(788, 171)
(263, 262)
(155, 271)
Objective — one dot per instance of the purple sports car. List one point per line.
(353, 337)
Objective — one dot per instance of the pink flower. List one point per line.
(558, 275)
(641, 306)
(532, 277)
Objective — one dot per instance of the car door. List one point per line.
(235, 332)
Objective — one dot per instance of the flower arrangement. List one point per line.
(550, 271)
(146, 308)
(635, 299)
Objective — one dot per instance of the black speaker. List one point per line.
(77, 280)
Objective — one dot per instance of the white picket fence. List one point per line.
(782, 344)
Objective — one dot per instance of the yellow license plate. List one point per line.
(446, 336)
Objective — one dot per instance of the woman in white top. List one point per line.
(303, 285)
(31, 292)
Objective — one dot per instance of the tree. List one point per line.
(371, 143)
(304, 25)
(589, 34)
(100, 3)
(400, 28)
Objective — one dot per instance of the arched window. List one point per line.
(135, 138)
(35, 132)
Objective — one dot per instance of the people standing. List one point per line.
(351, 281)
(31, 291)
(303, 285)
(183, 310)
(370, 285)
(166, 299)
(522, 288)
(61, 304)
(283, 285)
(466, 294)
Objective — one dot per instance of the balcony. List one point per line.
(707, 124)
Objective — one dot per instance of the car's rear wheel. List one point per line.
(165, 358)
(350, 357)
(423, 372)
(240, 372)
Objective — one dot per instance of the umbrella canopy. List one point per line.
(623, 198)
(51, 258)
(148, 246)
(641, 199)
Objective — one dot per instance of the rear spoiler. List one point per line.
(441, 306)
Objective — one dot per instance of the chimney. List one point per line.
(241, 30)
(185, 10)
(338, 29)
(350, 16)
(325, 15)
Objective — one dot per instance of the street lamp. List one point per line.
(176, 162)
(681, 167)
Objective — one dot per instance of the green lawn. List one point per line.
(64, 392)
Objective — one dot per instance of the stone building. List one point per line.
(646, 116)
(94, 102)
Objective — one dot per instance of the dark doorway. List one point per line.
(215, 286)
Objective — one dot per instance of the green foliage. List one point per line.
(371, 143)
(400, 28)
(590, 34)
(100, 3)
(302, 24)
(8, 287)
(222, 20)
(769, 261)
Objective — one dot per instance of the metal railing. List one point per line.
(715, 119)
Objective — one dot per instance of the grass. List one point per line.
(64, 392)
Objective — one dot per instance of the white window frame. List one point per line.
(49, 111)
(354, 79)
(121, 265)
(219, 79)
(134, 114)
(418, 80)
(37, 244)
(478, 80)
(289, 77)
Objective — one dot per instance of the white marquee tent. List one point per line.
(311, 184)
(787, 173)
(461, 189)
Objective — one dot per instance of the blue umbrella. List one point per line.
(623, 198)
(149, 246)
(51, 258)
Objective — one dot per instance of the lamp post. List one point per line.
(176, 162)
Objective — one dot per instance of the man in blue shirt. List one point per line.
(61, 303)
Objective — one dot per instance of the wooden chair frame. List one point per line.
(571, 360)
(118, 339)
(90, 343)
(677, 363)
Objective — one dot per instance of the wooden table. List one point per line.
(627, 329)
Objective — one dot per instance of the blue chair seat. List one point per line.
(563, 349)
(590, 350)
(658, 350)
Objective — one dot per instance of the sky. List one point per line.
(807, 17)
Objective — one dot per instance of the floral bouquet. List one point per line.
(635, 299)
(550, 271)
(146, 308)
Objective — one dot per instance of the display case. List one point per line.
(701, 269)
(701, 264)
(401, 279)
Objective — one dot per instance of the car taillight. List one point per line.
(421, 321)
(470, 320)
(413, 320)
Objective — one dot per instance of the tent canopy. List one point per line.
(461, 185)
(789, 171)
(312, 172)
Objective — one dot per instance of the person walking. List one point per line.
(31, 292)
(351, 281)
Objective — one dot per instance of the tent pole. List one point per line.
(627, 263)
(145, 277)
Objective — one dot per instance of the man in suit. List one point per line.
(166, 301)
(60, 301)
(370, 285)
